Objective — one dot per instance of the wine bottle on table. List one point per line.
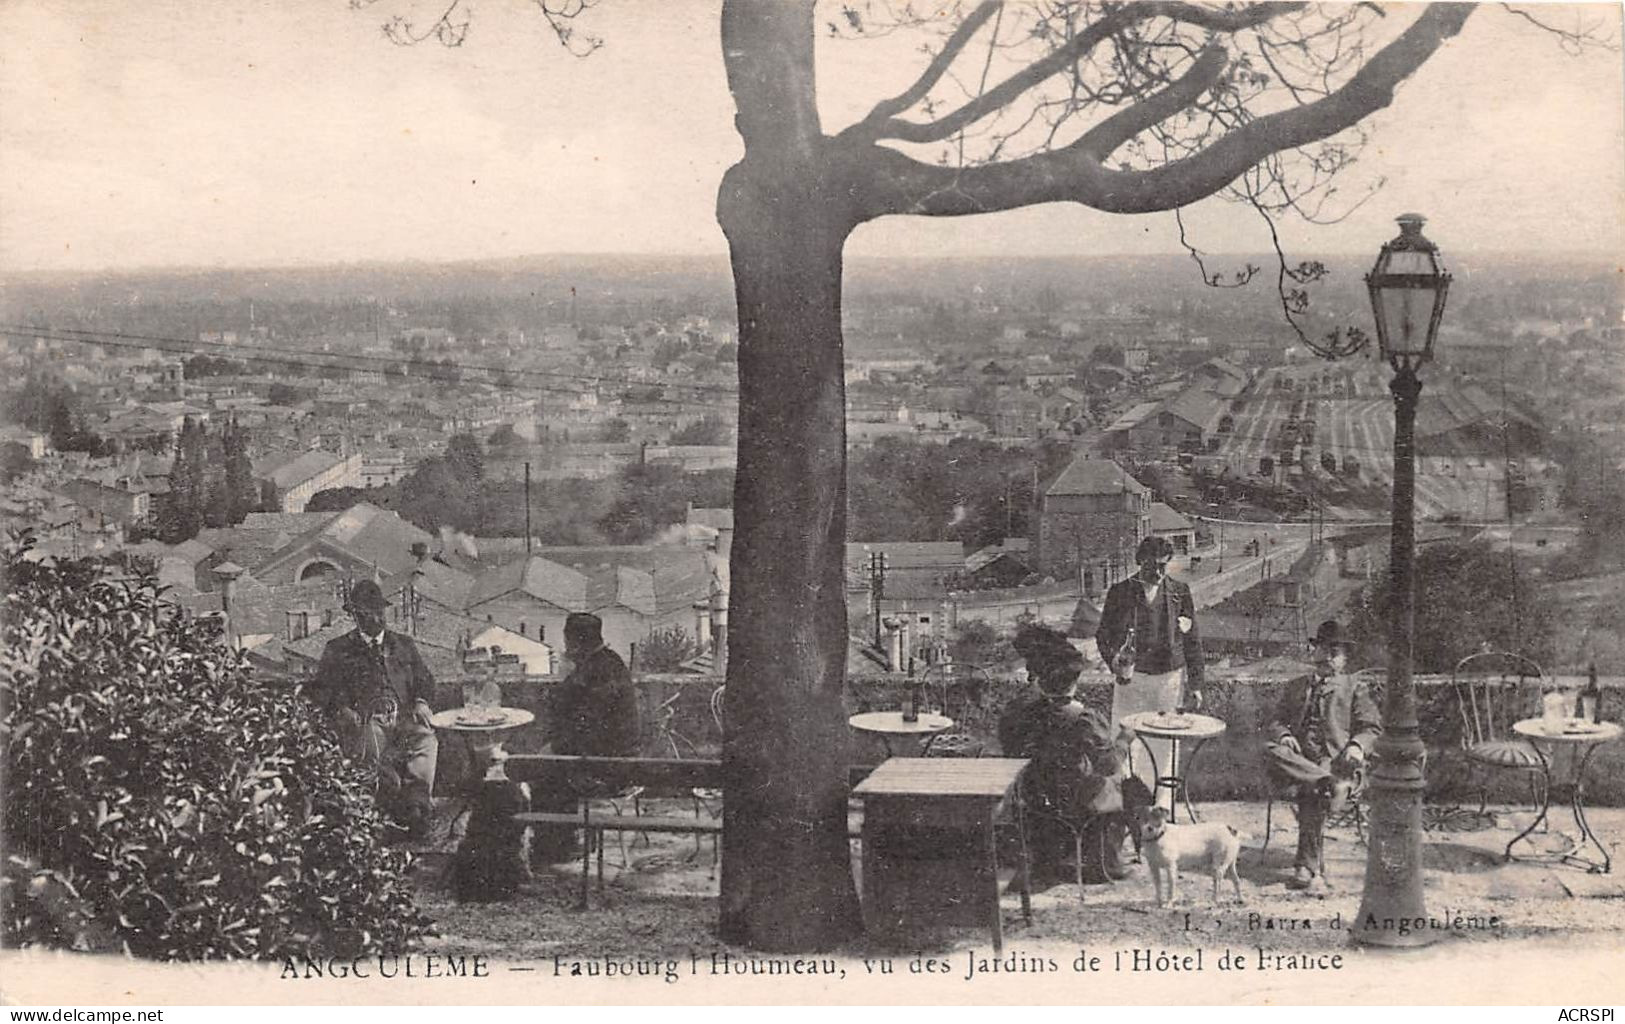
(1590, 709)
(911, 710)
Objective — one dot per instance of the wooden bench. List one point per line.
(598, 778)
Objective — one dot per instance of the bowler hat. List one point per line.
(583, 629)
(366, 596)
(1330, 634)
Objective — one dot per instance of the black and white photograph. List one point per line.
(812, 502)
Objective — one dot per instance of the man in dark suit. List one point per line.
(593, 712)
(375, 688)
(1148, 636)
(1322, 730)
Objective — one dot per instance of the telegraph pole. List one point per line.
(527, 508)
(877, 587)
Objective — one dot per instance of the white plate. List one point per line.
(481, 718)
(1163, 720)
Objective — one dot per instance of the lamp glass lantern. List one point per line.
(1408, 286)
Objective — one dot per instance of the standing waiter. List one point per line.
(374, 686)
(1149, 638)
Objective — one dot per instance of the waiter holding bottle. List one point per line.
(1148, 636)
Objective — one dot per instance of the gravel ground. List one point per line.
(663, 900)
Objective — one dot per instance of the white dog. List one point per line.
(1167, 848)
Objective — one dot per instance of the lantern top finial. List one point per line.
(1410, 234)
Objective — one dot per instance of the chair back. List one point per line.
(1493, 690)
(716, 710)
(958, 690)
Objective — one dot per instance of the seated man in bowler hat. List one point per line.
(593, 712)
(1320, 735)
(374, 686)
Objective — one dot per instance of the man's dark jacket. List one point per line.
(1158, 651)
(352, 675)
(594, 710)
(1347, 713)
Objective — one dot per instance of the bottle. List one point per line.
(1590, 709)
(911, 710)
(1122, 663)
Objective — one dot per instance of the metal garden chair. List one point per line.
(1494, 689)
(959, 691)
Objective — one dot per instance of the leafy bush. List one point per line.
(159, 800)
(665, 650)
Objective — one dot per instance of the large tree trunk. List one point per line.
(786, 879)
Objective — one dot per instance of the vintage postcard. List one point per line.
(775, 501)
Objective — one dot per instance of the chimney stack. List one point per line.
(702, 626)
(894, 643)
(227, 573)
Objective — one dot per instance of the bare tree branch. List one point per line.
(448, 29)
(1105, 137)
(1573, 41)
(1213, 279)
(1118, 17)
(1000, 96)
(933, 72)
(896, 183)
(451, 27)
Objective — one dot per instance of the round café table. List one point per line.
(481, 729)
(1174, 727)
(1585, 737)
(890, 727)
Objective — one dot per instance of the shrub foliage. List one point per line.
(159, 800)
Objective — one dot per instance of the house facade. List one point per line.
(1091, 519)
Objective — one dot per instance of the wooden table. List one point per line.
(930, 855)
(1185, 725)
(891, 725)
(1570, 732)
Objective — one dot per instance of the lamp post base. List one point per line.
(1392, 911)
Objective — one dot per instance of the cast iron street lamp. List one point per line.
(1408, 287)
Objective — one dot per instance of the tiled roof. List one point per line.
(251, 548)
(1135, 415)
(1226, 368)
(440, 583)
(946, 555)
(290, 473)
(1164, 517)
(261, 608)
(545, 580)
(675, 576)
(375, 536)
(1196, 407)
(1009, 546)
(1095, 476)
(294, 523)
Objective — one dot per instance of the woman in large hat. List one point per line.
(1074, 783)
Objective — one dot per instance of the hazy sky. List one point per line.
(221, 132)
